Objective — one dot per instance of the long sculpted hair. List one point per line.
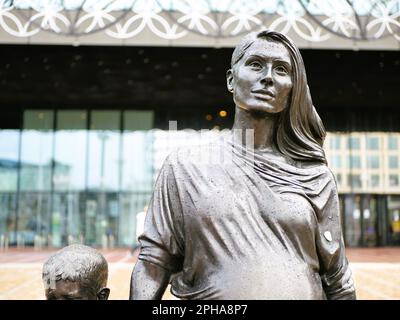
(299, 133)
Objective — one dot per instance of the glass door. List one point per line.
(369, 222)
(352, 220)
(393, 223)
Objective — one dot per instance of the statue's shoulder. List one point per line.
(193, 155)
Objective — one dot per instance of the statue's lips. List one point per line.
(263, 94)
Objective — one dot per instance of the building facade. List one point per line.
(88, 92)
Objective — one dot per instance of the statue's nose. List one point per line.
(267, 76)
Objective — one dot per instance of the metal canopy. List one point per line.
(221, 22)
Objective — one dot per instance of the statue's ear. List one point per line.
(229, 80)
(103, 294)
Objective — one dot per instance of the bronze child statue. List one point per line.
(265, 225)
(76, 272)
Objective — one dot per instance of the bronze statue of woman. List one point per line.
(265, 225)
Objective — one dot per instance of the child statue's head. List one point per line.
(76, 272)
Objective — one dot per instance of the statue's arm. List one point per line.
(335, 272)
(148, 281)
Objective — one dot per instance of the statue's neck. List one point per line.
(262, 124)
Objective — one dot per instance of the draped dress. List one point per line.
(229, 222)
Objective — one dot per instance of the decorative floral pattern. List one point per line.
(313, 20)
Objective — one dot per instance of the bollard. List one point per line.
(2, 242)
(6, 243)
(36, 242)
(111, 241)
(104, 241)
(20, 241)
(40, 242)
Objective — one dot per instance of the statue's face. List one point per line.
(261, 81)
(73, 290)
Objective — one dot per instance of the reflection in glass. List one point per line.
(373, 162)
(9, 149)
(369, 221)
(102, 204)
(354, 181)
(137, 171)
(9, 145)
(104, 150)
(393, 162)
(67, 219)
(335, 142)
(393, 180)
(7, 216)
(372, 143)
(352, 216)
(70, 151)
(33, 218)
(137, 158)
(36, 150)
(374, 181)
(338, 177)
(130, 205)
(101, 220)
(353, 143)
(336, 162)
(392, 142)
(393, 226)
(355, 162)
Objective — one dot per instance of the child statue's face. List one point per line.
(72, 290)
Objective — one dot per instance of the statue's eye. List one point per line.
(281, 70)
(255, 65)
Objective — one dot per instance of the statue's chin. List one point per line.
(262, 111)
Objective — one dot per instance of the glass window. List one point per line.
(137, 169)
(354, 180)
(70, 151)
(373, 162)
(335, 142)
(355, 162)
(352, 220)
(33, 218)
(393, 225)
(8, 215)
(138, 120)
(37, 150)
(372, 143)
(393, 180)
(393, 162)
(67, 219)
(9, 147)
(369, 220)
(104, 150)
(336, 161)
(339, 178)
(354, 143)
(392, 142)
(374, 180)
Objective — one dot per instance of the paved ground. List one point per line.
(376, 273)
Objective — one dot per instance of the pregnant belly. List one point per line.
(275, 278)
(271, 280)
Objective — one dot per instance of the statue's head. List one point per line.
(267, 77)
(76, 272)
(261, 74)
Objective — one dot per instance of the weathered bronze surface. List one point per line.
(76, 272)
(261, 222)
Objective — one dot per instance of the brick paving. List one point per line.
(376, 273)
